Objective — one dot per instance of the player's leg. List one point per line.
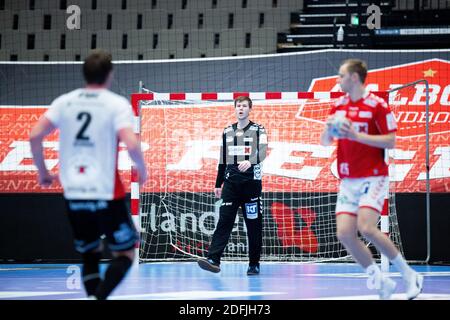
(252, 213)
(227, 216)
(121, 236)
(86, 233)
(346, 223)
(115, 272)
(371, 205)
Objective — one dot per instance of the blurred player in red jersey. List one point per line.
(363, 170)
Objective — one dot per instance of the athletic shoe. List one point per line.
(414, 285)
(387, 287)
(209, 265)
(253, 270)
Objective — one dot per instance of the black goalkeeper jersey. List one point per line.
(249, 143)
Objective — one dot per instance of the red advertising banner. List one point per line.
(181, 142)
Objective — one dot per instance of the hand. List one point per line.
(328, 124)
(244, 165)
(347, 131)
(218, 192)
(46, 179)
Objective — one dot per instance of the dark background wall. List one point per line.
(35, 228)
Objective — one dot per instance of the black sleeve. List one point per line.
(222, 164)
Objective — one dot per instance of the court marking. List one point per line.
(190, 295)
(24, 294)
(364, 275)
(396, 296)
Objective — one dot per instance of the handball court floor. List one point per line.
(186, 281)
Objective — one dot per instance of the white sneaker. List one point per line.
(387, 287)
(414, 285)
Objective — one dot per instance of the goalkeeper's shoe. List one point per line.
(253, 270)
(387, 288)
(414, 285)
(209, 265)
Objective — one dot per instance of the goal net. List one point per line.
(180, 135)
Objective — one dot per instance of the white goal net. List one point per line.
(181, 136)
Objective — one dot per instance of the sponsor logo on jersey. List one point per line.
(257, 174)
(239, 150)
(251, 210)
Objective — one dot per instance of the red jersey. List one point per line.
(371, 115)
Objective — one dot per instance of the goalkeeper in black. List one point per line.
(244, 146)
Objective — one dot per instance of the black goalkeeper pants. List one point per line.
(248, 197)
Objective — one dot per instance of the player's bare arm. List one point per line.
(326, 138)
(127, 136)
(37, 135)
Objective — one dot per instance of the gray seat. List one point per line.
(125, 20)
(246, 19)
(201, 39)
(169, 5)
(265, 38)
(110, 5)
(160, 54)
(54, 5)
(290, 4)
(171, 39)
(186, 19)
(78, 41)
(216, 19)
(199, 5)
(233, 38)
(4, 55)
(31, 20)
(229, 4)
(277, 18)
(221, 52)
(109, 39)
(14, 40)
(94, 20)
(17, 4)
(48, 40)
(6, 20)
(141, 39)
(154, 19)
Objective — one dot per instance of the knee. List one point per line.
(345, 235)
(368, 231)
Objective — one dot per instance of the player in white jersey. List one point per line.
(91, 122)
(362, 140)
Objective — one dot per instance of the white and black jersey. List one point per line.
(249, 143)
(88, 122)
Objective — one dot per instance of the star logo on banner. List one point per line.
(429, 73)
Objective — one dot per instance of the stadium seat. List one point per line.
(171, 39)
(216, 19)
(48, 39)
(154, 19)
(17, 4)
(201, 39)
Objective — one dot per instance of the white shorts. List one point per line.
(355, 193)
